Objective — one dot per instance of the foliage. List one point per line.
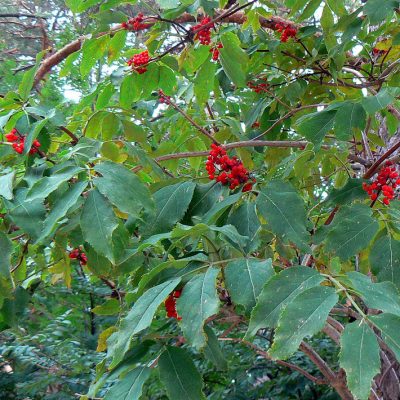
(235, 163)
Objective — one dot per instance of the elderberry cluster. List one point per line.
(138, 60)
(163, 98)
(18, 142)
(386, 183)
(287, 31)
(228, 171)
(135, 24)
(204, 34)
(258, 87)
(78, 254)
(170, 305)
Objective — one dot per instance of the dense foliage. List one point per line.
(217, 216)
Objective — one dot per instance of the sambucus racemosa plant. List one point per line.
(216, 183)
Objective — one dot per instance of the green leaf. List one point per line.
(28, 215)
(377, 10)
(304, 316)
(352, 231)
(215, 211)
(44, 186)
(245, 220)
(359, 357)
(204, 198)
(6, 185)
(80, 5)
(117, 44)
(245, 279)
(204, 82)
(138, 319)
(168, 4)
(381, 296)
(277, 293)
(28, 78)
(123, 188)
(92, 51)
(6, 250)
(171, 205)
(60, 209)
(315, 126)
(33, 133)
(109, 307)
(98, 222)
(233, 59)
(104, 97)
(372, 104)
(130, 91)
(389, 325)
(179, 375)
(199, 300)
(130, 386)
(385, 259)
(349, 117)
(350, 191)
(284, 210)
(213, 350)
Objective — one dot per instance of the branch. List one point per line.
(264, 354)
(236, 18)
(19, 15)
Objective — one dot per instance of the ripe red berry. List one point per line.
(385, 183)
(170, 305)
(135, 24)
(204, 34)
(138, 60)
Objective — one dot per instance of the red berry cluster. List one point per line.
(204, 34)
(258, 87)
(135, 24)
(215, 51)
(231, 171)
(78, 254)
(138, 60)
(18, 142)
(377, 52)
(163, 98)
(386, 183)
(287, 31)
(170, 305)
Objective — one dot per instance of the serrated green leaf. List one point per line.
(389, 325)
(304, 316)
(385, 259)
(284, 210)
(377, 10)
(233, 59)
(138, 319)
(123, 188)
(44, 186)
(382, 296)
(130, 386)
(98, 222)
(179, 375)
(246, 221)
(28, 215)
(378, 102)
(353, 230)
(350, 191)
(204, 82)
(359, 357)
(213, 350)
(171, 205)
(199, 301)
(315, 126)
(348, 117)
(279, 291)
(245, 279)
(6, 185)
(60, 209)
(109, 307)
(92, 50)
